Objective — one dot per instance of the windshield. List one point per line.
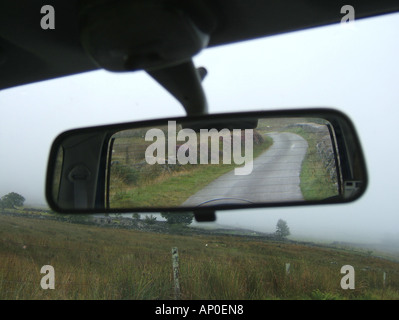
(314, 252)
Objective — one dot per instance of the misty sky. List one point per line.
(353, 69)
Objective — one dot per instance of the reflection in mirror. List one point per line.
(189, 165)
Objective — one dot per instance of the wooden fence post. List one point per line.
(287, 268)
(384, 278)
(175, 264)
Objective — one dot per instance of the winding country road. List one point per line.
(274, 178)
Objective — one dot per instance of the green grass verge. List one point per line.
(316, 184)
(173, 189)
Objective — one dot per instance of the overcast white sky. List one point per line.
(355, 70)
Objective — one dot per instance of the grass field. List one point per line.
(93, 262)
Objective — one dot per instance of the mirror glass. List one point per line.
(239, 162)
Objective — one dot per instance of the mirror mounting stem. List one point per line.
(183, 81)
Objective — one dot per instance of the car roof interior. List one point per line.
(29, 54)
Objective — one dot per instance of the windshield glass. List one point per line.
(342, 251)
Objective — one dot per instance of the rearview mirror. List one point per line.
(217, 161)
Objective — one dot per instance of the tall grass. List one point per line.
(101, 263)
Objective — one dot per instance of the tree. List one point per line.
(12, 200)
(282, 230)
(178, 218)
(150, 219)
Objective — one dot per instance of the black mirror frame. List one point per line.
(343, 127)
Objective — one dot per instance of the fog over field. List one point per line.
(354, 70)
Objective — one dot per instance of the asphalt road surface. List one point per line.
(274, 178)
